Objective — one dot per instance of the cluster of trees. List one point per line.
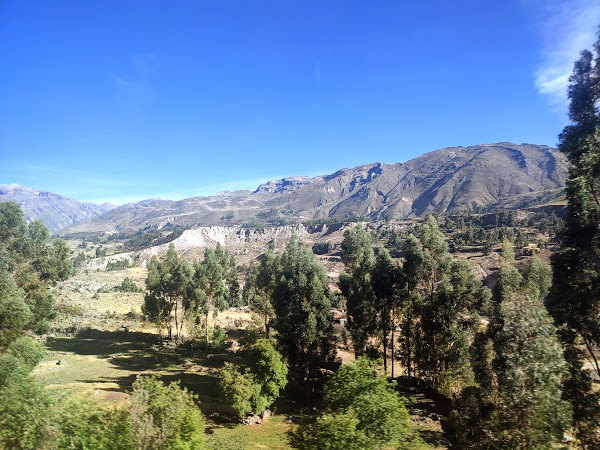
(118, 264)
(146, 238)
(28, 265)
(467, 233)
(431, 300)
(100, 251)
(505, 373)
(518, 365)
(290, 293)
(179, 293)
(158, 417)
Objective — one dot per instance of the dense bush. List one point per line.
(321, 248)
(128, 285)
(119, 264)
(360, 410)
(257, 385)
(164, 417)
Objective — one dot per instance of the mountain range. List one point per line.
(499, 175)
(56, 211)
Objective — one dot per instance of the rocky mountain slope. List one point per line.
(54, 210)
(454, 179)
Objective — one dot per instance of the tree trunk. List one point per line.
(206, 328)
(267, 329)
(393, 343)
(384, 331)
(176, 322)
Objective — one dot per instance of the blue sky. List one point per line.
(125, 100)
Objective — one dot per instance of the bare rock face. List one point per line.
(54, 210)
(456, 178)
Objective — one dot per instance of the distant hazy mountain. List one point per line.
(456, 178)
(54, 210)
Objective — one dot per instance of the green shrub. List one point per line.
(321, 248)
(254, 389)
(84, 424)
(218, 338)
(164, 417)
(360, 410)
(127, 285)
(25, 415)
(119, 264)
(28, 350)
(239, 390)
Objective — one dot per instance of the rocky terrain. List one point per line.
(54, 210)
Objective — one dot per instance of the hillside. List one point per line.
(456, 178)
(54, 210)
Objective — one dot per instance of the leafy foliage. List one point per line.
(259, 288)
(269, 371)
(118, 264)
(303, 322)
(164, 417)
(166, 286)
(128, 285)
(519, 367)
(360, 410)
(321, 248)
(239, 390)
(25, 415)
(85, 424)
(574, 300)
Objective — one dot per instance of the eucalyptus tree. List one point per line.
(574, 300)
(516, 400)
(303, 319)
(448, 314)
(167, 285)
(259, 287)
(386, 280)
(361, 310)
(357, 245)
(413, 271)
(213, 287)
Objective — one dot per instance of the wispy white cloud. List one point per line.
(567, 27)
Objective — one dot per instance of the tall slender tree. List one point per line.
(214, 286)
(450, 295)
(386, 281)
(259, 287)
(574, 300)
(413, 270)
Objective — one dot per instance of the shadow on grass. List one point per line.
(99, 342)
(138, 353)
(434, 438)
(205, 386)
